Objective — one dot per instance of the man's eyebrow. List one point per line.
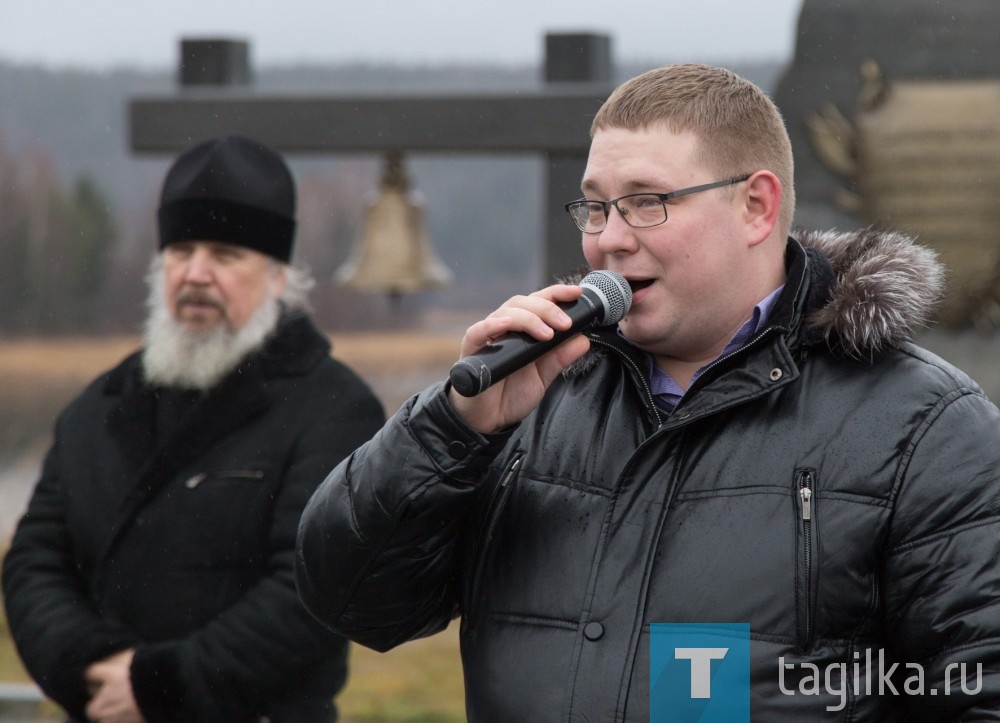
(644, 184)
(634, 186)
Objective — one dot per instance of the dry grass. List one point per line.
(416, 683)
(81, 358)
(63, 358)
(59, 367)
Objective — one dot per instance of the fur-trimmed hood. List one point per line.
(885, 287)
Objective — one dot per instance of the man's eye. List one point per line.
(227, 253)
(648, 202)
(180, 249)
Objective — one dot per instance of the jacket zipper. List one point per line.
(638, 373)
(497, 502)
(195, 480)
(805, 490)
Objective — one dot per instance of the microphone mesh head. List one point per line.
(614, 291)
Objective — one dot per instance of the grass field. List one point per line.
(418, 682)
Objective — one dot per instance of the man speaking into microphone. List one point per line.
(756, 445)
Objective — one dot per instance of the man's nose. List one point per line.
(200, 268)
(617, 234)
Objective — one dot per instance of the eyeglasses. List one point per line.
(640, 210)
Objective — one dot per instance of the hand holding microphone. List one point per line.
(605, 300)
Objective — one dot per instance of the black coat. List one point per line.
(837, 504)
(183, 546)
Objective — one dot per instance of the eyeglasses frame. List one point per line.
(664, 197)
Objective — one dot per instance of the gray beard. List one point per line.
(175, 356)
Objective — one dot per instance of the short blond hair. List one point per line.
(740, 130)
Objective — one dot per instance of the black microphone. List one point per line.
(605, 300)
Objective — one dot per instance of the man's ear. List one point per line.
(279, 279)
(762, 202)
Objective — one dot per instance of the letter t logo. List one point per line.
(701, 667)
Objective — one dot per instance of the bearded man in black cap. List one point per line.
(151, 578)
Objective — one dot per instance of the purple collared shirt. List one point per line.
(668, 393)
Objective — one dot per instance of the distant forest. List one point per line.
(77, 207)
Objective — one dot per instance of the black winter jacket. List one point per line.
(183, 547)
(830, 484)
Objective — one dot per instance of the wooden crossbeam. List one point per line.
(557, 120)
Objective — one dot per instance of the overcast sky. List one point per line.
(101, 34)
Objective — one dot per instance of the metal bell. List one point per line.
(394, 254)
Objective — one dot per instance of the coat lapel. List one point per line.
(152, 463)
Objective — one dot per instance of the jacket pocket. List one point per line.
(805, 543)
(195, 481)
(498, 500)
